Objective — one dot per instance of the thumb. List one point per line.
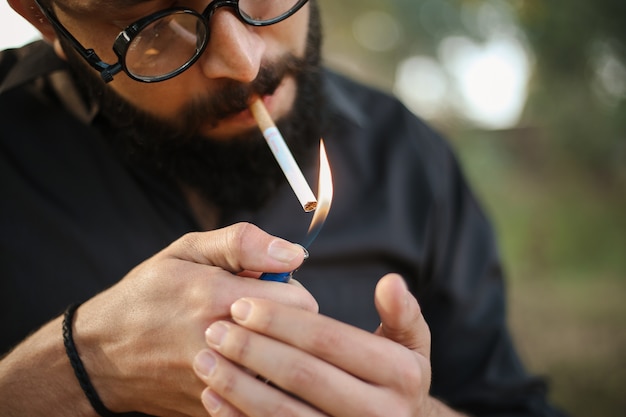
(237, 248)
(400, 314)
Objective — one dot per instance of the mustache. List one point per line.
(233, 97)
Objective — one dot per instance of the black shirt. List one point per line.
(74, 219)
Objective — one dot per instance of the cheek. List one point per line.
(162, 99)
(301, 29)
(98, 36)
(291, 34)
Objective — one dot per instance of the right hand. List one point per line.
(138, 339)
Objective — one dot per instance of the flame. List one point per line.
(324, 197)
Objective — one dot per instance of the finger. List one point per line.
(232, 287)
(237, 248)
(232, 388)
(217, 406)
(307, 377)
(401, 317)
(293, 281)
(346, 347)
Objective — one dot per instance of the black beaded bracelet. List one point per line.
(79, 368)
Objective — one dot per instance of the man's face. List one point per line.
(195, 128)
(235, 54)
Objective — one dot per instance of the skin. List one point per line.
(144, 341)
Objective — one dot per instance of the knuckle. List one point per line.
(187, 245)
(284, 409)
(310, 303)
(301, 374)
(237, 238)
(189, 240)
(239, 346)
(410, 377)
(225, 384)
(239, 233)
(305, 299)
(325, 341)
(265, 323)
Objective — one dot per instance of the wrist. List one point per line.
(96, 348)
(78, 366)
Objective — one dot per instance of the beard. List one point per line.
(235, 173)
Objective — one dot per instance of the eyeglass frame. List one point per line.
(127, 35)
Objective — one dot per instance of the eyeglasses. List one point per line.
(164, 44)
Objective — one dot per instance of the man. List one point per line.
(110, 155)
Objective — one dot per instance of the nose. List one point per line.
(235, 49)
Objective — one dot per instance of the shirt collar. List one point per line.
(31, 61)
(37, 62)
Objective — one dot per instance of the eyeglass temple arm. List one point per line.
(107, 71)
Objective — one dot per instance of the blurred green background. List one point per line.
(532, 94)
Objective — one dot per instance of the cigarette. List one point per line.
(283, 156)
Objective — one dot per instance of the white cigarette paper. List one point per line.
(283, 156)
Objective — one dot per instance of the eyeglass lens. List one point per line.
(169, 43)
(165, 45)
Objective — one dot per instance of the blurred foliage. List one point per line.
(569, 41)
(554, 185)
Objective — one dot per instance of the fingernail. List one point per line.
(284, 251)
(205, 363)
(240, 310)
(215, 334)
(212, 402)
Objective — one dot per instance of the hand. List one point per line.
(321, 366)
(138, 339)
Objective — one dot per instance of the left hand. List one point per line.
(322, 366)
